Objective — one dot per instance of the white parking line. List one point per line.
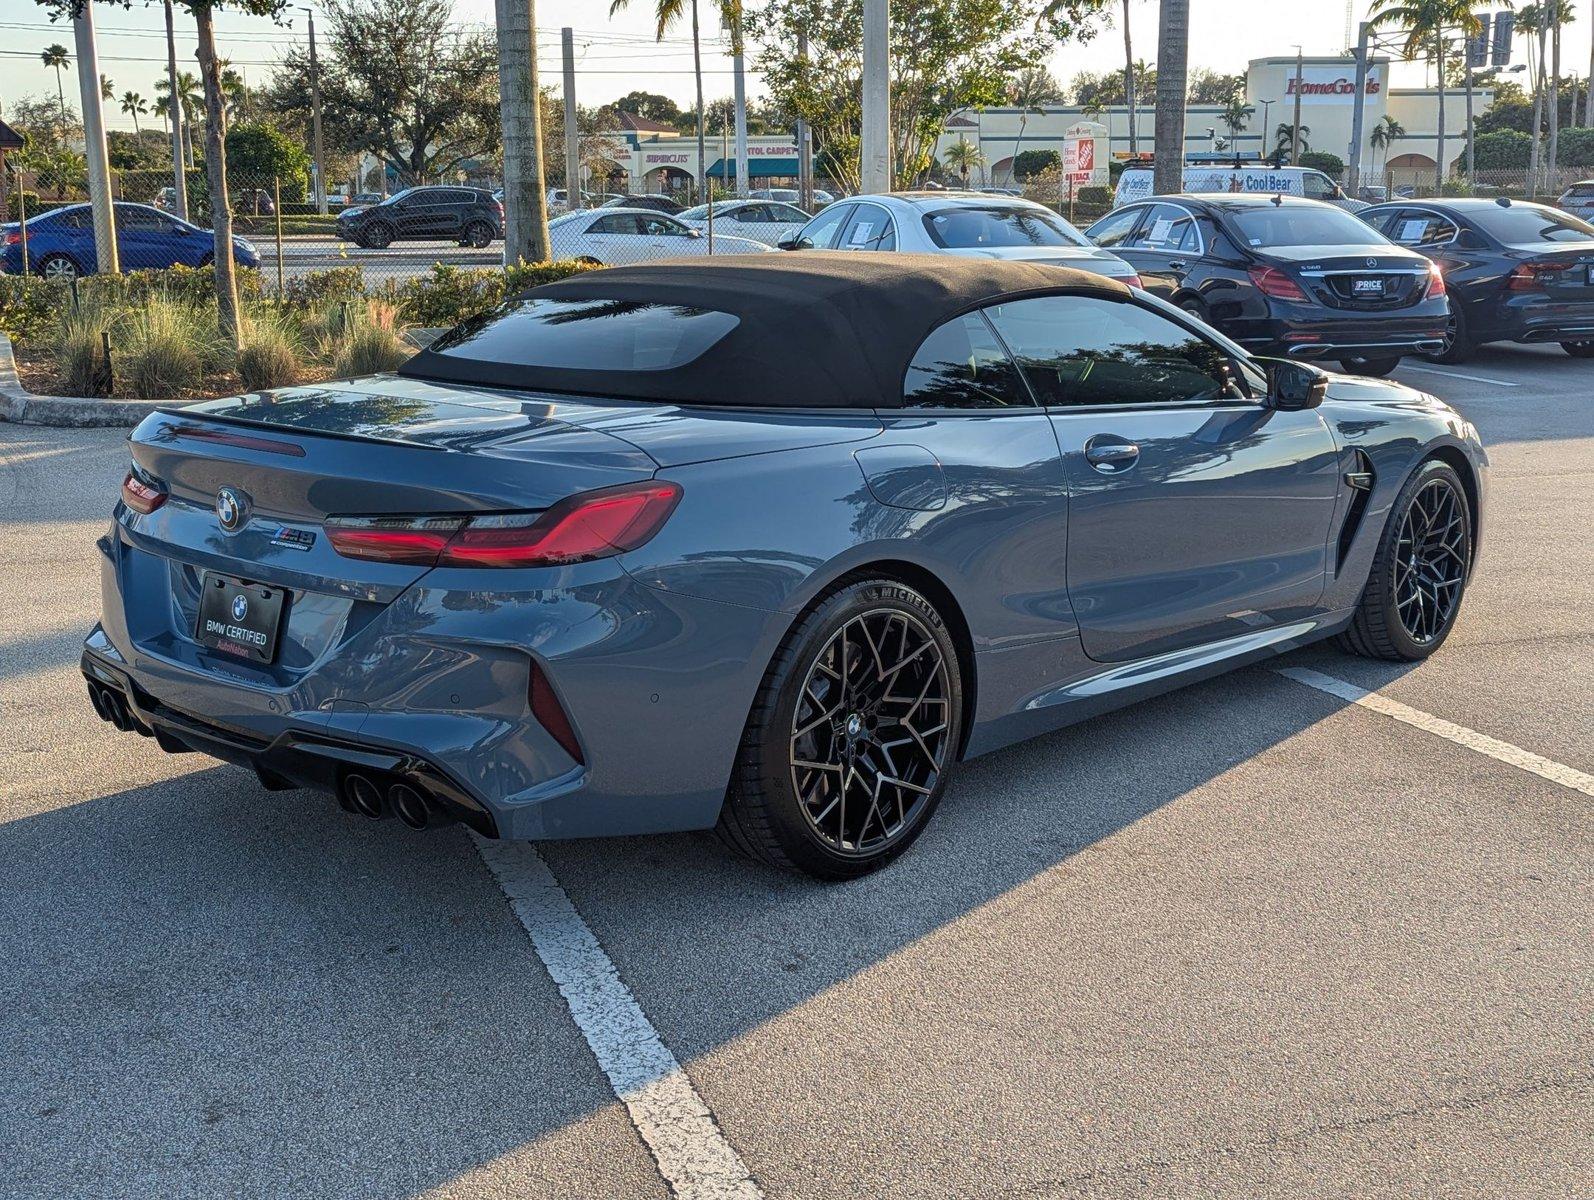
(680, 1131)
(1458, 375)
(1482, 743)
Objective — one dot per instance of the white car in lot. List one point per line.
(971, 224)
(767, 221)
(616, 236)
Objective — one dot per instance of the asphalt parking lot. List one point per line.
(1250, 939)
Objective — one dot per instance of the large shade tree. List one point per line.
(946, 55)
(399, 80)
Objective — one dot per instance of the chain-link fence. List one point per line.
(384, 240)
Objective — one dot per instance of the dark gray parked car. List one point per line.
(767, 543)
(467, 215)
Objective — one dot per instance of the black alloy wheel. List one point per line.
(477, 235)
(376, 236)
(1458, 344)
(1380, 366)
(847, 748)
(1420, 571)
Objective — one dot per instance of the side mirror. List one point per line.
(694, 233)
(1292, 385)
(789, 244)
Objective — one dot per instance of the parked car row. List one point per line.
(61, 242)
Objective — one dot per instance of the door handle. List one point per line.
(1177, 264)
(1110, 455)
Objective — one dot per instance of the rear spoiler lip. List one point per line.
(189, 414)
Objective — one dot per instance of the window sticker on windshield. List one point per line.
(1159, 229)
(860, 233)
(1411, 231)
(1256, 241)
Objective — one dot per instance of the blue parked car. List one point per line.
(61, 242)
(767, 542)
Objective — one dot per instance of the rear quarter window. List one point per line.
(596, 335)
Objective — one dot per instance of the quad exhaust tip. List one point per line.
(111, 706)
(410, 805)
(360, 794)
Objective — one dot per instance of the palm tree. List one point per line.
(235, 90)
(1173, 68)
(963, 156)
(1427, 24)
(107, 88)
(57, 57)
(1559, 13)
(189, 95)
(1235, 116)
(1284, 139)
(133, 105)
(1384, 134)
(1034, 89)
(1129, 80)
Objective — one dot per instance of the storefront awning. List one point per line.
(757, 168)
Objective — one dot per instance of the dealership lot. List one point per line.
(1248, 939)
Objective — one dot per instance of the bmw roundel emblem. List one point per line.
(240, 607)
(232, 509)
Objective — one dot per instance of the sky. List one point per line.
(617, 55)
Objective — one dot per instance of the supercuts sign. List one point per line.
(1328, 85)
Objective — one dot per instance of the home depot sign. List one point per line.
(1084, 162)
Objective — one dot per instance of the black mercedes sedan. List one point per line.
(1515, 271)
(1284, 276)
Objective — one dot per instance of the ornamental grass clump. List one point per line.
(169, 347)
(371, 344)
(271, 353)
(78, 346)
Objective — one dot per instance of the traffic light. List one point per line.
(1478, 45)
(1504, 26)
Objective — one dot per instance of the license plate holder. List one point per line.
(1367, 287)
(240, 618)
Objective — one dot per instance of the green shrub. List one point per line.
(1331, 165)
(28, 305)
(169, 345)
(317, 287)
(271, 351)
(1502, 150)
(78, 347)
(451, 294)
(1094, 196)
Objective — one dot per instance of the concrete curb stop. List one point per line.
(22, 407)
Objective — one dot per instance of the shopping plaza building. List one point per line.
(660, 158)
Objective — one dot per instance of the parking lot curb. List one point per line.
(22, 407)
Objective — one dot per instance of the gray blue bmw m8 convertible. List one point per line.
(766, 544)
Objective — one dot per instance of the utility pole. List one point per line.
(876, 147)
(567, 46)
(520, 113)
(88, 76)
(1358, 114)
(315, 121)
(179, 175)
(805, 147)
(737, 61)
(1295, 130)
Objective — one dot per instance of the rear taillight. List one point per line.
(1436, 281)
(13, 237)
(1131, 281)
(578, 529)
(140, 496)
(1533, 277)
(1271, 281)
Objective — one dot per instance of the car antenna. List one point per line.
(1278, 200)
(1503, 201)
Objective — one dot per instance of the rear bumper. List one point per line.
(434, 689)
(1315, 334)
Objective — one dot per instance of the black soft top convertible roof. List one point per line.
(815, 328)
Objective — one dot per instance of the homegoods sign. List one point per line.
(1328, 85)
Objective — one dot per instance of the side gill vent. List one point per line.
(1359, 479)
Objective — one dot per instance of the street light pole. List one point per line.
(1358, 119)
(179, 174)
(88, 74)
(876, 140)
(805, 147)
(315, 121)
(1295, 130)
(567, 46)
